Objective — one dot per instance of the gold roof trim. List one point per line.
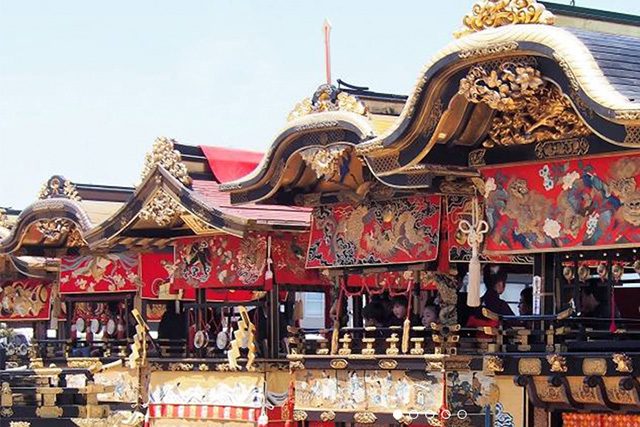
(328, 98)
(163, 154)
(576, 55)
(496, 13)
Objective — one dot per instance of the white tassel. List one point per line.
(473, 290)
(475, 231)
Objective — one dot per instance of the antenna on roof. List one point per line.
(326, 29)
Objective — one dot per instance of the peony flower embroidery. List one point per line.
(569, 179)
(551, 228)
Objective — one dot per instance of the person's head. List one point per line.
(592, 296)
(525, 306)
(495, 277)
(429, 315)
(373, 314)
(399, 307)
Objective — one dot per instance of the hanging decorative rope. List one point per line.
(475, 231)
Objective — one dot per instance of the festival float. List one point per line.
(517, 147)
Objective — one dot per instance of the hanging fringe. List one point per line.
(475, 231)
(268, 275)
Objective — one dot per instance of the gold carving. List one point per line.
(58, 186)
(494, 364)
(84, 362)
(19, 424)
(557, 363)
(163, 154)
(54, 230)
(203, 367)
(5, 222)
(489, 50)
(299, 415)
(529, 108)
(296, 365)
(529, 366)
(49, 412)
(365, 417)
(573, 81)
(161, 209)
(594, 366)
(618, 395)
(632, 136)
(388, 364)
(178, 366)
(496, 13)
(628, 115)
(327, 416)
(6, 412)
(338, 363)
(327, 98)
(623, 363)
(562, 148)
(325, 162)
(476, 157)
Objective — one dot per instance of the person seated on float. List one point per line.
(373, 314)
(495, 279)
(429, 314)
(525, 306)
(594, 301)
(399, 307)
(172, 327)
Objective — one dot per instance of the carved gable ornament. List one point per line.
(59, 187)
(328, 98)
(529, 109)
(164, 154)
(496, 13)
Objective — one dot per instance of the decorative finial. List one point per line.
(326, 29)
(328, 98)
(59, 187)
(496, 13)
(163, 154)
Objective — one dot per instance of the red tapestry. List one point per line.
(221, 261)
(288, 252)
(389, 232)
(25, 300)
(600, 420)
(156, 270)
(395, 282)
(574, 204)
(458, 208)
(100, 273)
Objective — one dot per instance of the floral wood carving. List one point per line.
(365, 417)
(163, 154)
(557, 363)
(496, 13)
(529, 109)
(5, 222)
(161, 209)
(59, 187)
(623, 363)
(328, 98)
(325, 162)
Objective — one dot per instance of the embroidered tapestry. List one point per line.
(458, 208)
(25, 300)
(381, 232)
(156, 270)
(288, 251)
(576, 204)
(100, 273)
(221, 261)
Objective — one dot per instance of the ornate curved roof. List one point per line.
(512, 87)
(167, 204)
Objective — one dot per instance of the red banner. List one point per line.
(221, 261)
(25, 300)
(388, 232)
(459, 208)
(288, 252)
(99, 274)
(575, 204)
(156, 270)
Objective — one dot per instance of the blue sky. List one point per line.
(85, 87)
